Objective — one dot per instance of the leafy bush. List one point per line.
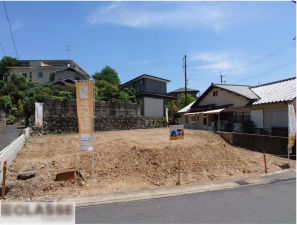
(248, 127)
(10, 119)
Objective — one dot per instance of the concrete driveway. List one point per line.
(8, 134)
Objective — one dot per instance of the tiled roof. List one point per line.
(279, 91)
(243, 90)
(72, 68)
(65, 81)
(145, 76)
(183, 90)
(186, 108)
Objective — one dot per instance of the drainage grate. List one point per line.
(241, 182)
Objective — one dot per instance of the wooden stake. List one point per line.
(4, 179)
(178, 182)
(265, 162)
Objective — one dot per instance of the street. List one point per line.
(267, 203)
(8, 134)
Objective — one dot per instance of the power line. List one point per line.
(279, 67)
(3, 49)
(10, 30)
(274, 52)
(287, 45)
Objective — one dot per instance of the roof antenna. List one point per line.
(222, 77)
(68, 50)
(188, 80)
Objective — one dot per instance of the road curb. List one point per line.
(173, 191)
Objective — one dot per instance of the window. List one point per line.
(40, 75)
(242, 116)
(141, 81)
(186, 119)
(30, 75)
(76, 78)
(193, 119)
(24, 74)
(215, 93)
(205, 121)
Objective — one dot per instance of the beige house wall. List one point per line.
(34, 71)
(224, 97)
(39, 66)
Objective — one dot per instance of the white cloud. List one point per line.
(214, 62)
(17, 24)
(210, 15)
(140, 62)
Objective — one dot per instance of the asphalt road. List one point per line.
(268, 203)
(8, 134)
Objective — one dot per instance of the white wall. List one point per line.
(224, 98)
(153, 107)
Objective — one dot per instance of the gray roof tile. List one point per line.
(243, 90)
(183, 90)
(279, 91)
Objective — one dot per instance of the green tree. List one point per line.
(4, 63)
(16, 96)
(8, 88)
(6, 103)
(172, 108)
(175, 106)
(109, 93)
(181, 100)
(108, 74)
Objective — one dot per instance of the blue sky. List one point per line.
(250, 42)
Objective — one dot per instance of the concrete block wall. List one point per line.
(225, 135)
(102, 108)
(270, 144)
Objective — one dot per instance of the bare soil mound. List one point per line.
(130, 160)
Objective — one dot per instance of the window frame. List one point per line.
(40, 75)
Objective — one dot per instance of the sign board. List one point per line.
(177, 132)
(38, 114)
(85, 114)
(292, 125)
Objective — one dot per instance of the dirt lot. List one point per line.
(130, 160)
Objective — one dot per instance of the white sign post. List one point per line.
(38, 114)
(292, 129)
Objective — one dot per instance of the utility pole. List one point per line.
(222, 77)
(68, 50)
(185, 66)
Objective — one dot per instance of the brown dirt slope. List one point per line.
(130, 160)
